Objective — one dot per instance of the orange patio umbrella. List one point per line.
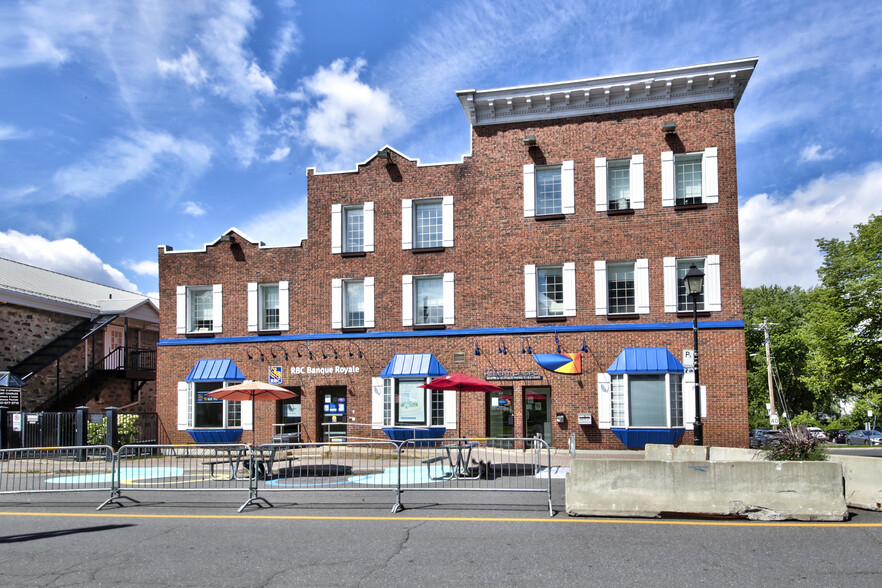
(253, 391)
(460, 383)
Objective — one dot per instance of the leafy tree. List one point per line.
(845, 321)
(786, 309)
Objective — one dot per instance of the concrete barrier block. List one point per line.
(863, 480)
(657, 452)
(734, 454)
(654, 451)
(757, 490)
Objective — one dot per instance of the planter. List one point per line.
(215, 435)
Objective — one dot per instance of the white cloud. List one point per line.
(193, 208)
(144, 268)
(124, 160)
(17, 195)
(65, 256)
(349, 115)
(284, 226)
(279, 154)
(244, 143)
(287, 43)
(813, 153)
(778, 234)
(9, 132)
(185, 67)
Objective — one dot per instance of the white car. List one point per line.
(817, 433)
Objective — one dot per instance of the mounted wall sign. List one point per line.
(560, 363)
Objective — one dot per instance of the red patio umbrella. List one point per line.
(460, 383)
(250, 390)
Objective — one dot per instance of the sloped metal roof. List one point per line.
(215, 370)
(424, 365)
(645, 360)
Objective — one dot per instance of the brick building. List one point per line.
(75, 342)
(549, 260)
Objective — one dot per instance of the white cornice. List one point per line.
(724, 80)
(230, 231)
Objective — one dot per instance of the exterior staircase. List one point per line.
(47, 354)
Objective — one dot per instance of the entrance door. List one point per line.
(287, 426)
(537, 412)
(500, 413)
(331, 403)
(113, 339)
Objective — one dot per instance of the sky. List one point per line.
(129, 125)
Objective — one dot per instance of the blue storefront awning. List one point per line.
(215, 370)
(645, 360)
(404, 365)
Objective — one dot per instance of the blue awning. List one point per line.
(645, 360)
(404, 365)
(215, 370)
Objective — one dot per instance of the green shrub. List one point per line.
(127, 430)
(796, 444)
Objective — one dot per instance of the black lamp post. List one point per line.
(694, 282)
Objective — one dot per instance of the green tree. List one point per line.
(845, 322)
(786, 309)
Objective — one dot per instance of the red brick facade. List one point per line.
(493, 241)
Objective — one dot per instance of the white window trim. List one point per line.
(668, 179)
(638, 197)
(407, 300)
(712, 289)
(337, 227)
(448, 293)
(688, 388)
(338, 302)
(627, 412)
(377, 408)
(183, 320)
(569, 286)
(186, 406)
(600, 288)
(567, 188)
(710, 188)
(604, 401)
(407, 208)
(368, 227)
(254, 306)
(641, 287)
(530, 285)
(531, 294)
(601, 198)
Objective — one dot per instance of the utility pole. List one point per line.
(773, 412)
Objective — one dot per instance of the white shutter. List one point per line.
(569, 289)
(407, 300)
(604, 401)
(407, 223)
(336, 228)
(369, 303)
(253, 306)
(181, 321)
(450, 400)
(636, 177)
(377, 411)
(217, 307)
(670, 275)
(568, 187)
(448, 299)
(247, 414)
(447, 221)
(710, 176)
(702, 391)
(336, 303)
(529, 190)
(284, 316)
(368, 226)
(641, 286)
(712, 294)
(688, 387)
(668, 180)
(600, 189)
(184, 403)
(530, 291)
(600, 298)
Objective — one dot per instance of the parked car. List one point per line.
(839, 436)
(817, 433)
(863, 437)
(760, 438)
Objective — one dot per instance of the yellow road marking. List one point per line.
(581, 520)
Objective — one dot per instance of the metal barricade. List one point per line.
(475, 465)
(57, 469)
(179, 468)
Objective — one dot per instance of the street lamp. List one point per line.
(694, 282)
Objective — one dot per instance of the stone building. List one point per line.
(549, 261)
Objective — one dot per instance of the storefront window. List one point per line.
(411, 403)
(213, 413)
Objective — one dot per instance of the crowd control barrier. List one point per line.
(57, 469)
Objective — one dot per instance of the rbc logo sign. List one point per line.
(275, 375)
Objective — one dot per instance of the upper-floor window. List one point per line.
(352, 228)
(199, 309)
(676, 299)
(427, 223)
(352, 303)
(427, 300)
(690, 178)
(550, 290)
(621, 287)
(684, 301)
(618, 183)
(268, 306)
(549, 190)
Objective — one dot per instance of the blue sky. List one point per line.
(128, 125)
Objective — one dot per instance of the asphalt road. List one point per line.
(349, 539)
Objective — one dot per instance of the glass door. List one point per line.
(332, 409)
(537, 412)
(500, 413)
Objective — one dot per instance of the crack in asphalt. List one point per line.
(397, 551)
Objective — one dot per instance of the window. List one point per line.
(268, 306)
(550, 294)
(684, 302)
(550, 291)
(687, 173)
(214, 413)
(618, 183)
(427, 300)
(646, 401)
(199, 309)
(400, 402)
(427, 223)
(620, 288)
(690, 178)
(675, 290)
(549, 190)
(352, 228)
(352, 303)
